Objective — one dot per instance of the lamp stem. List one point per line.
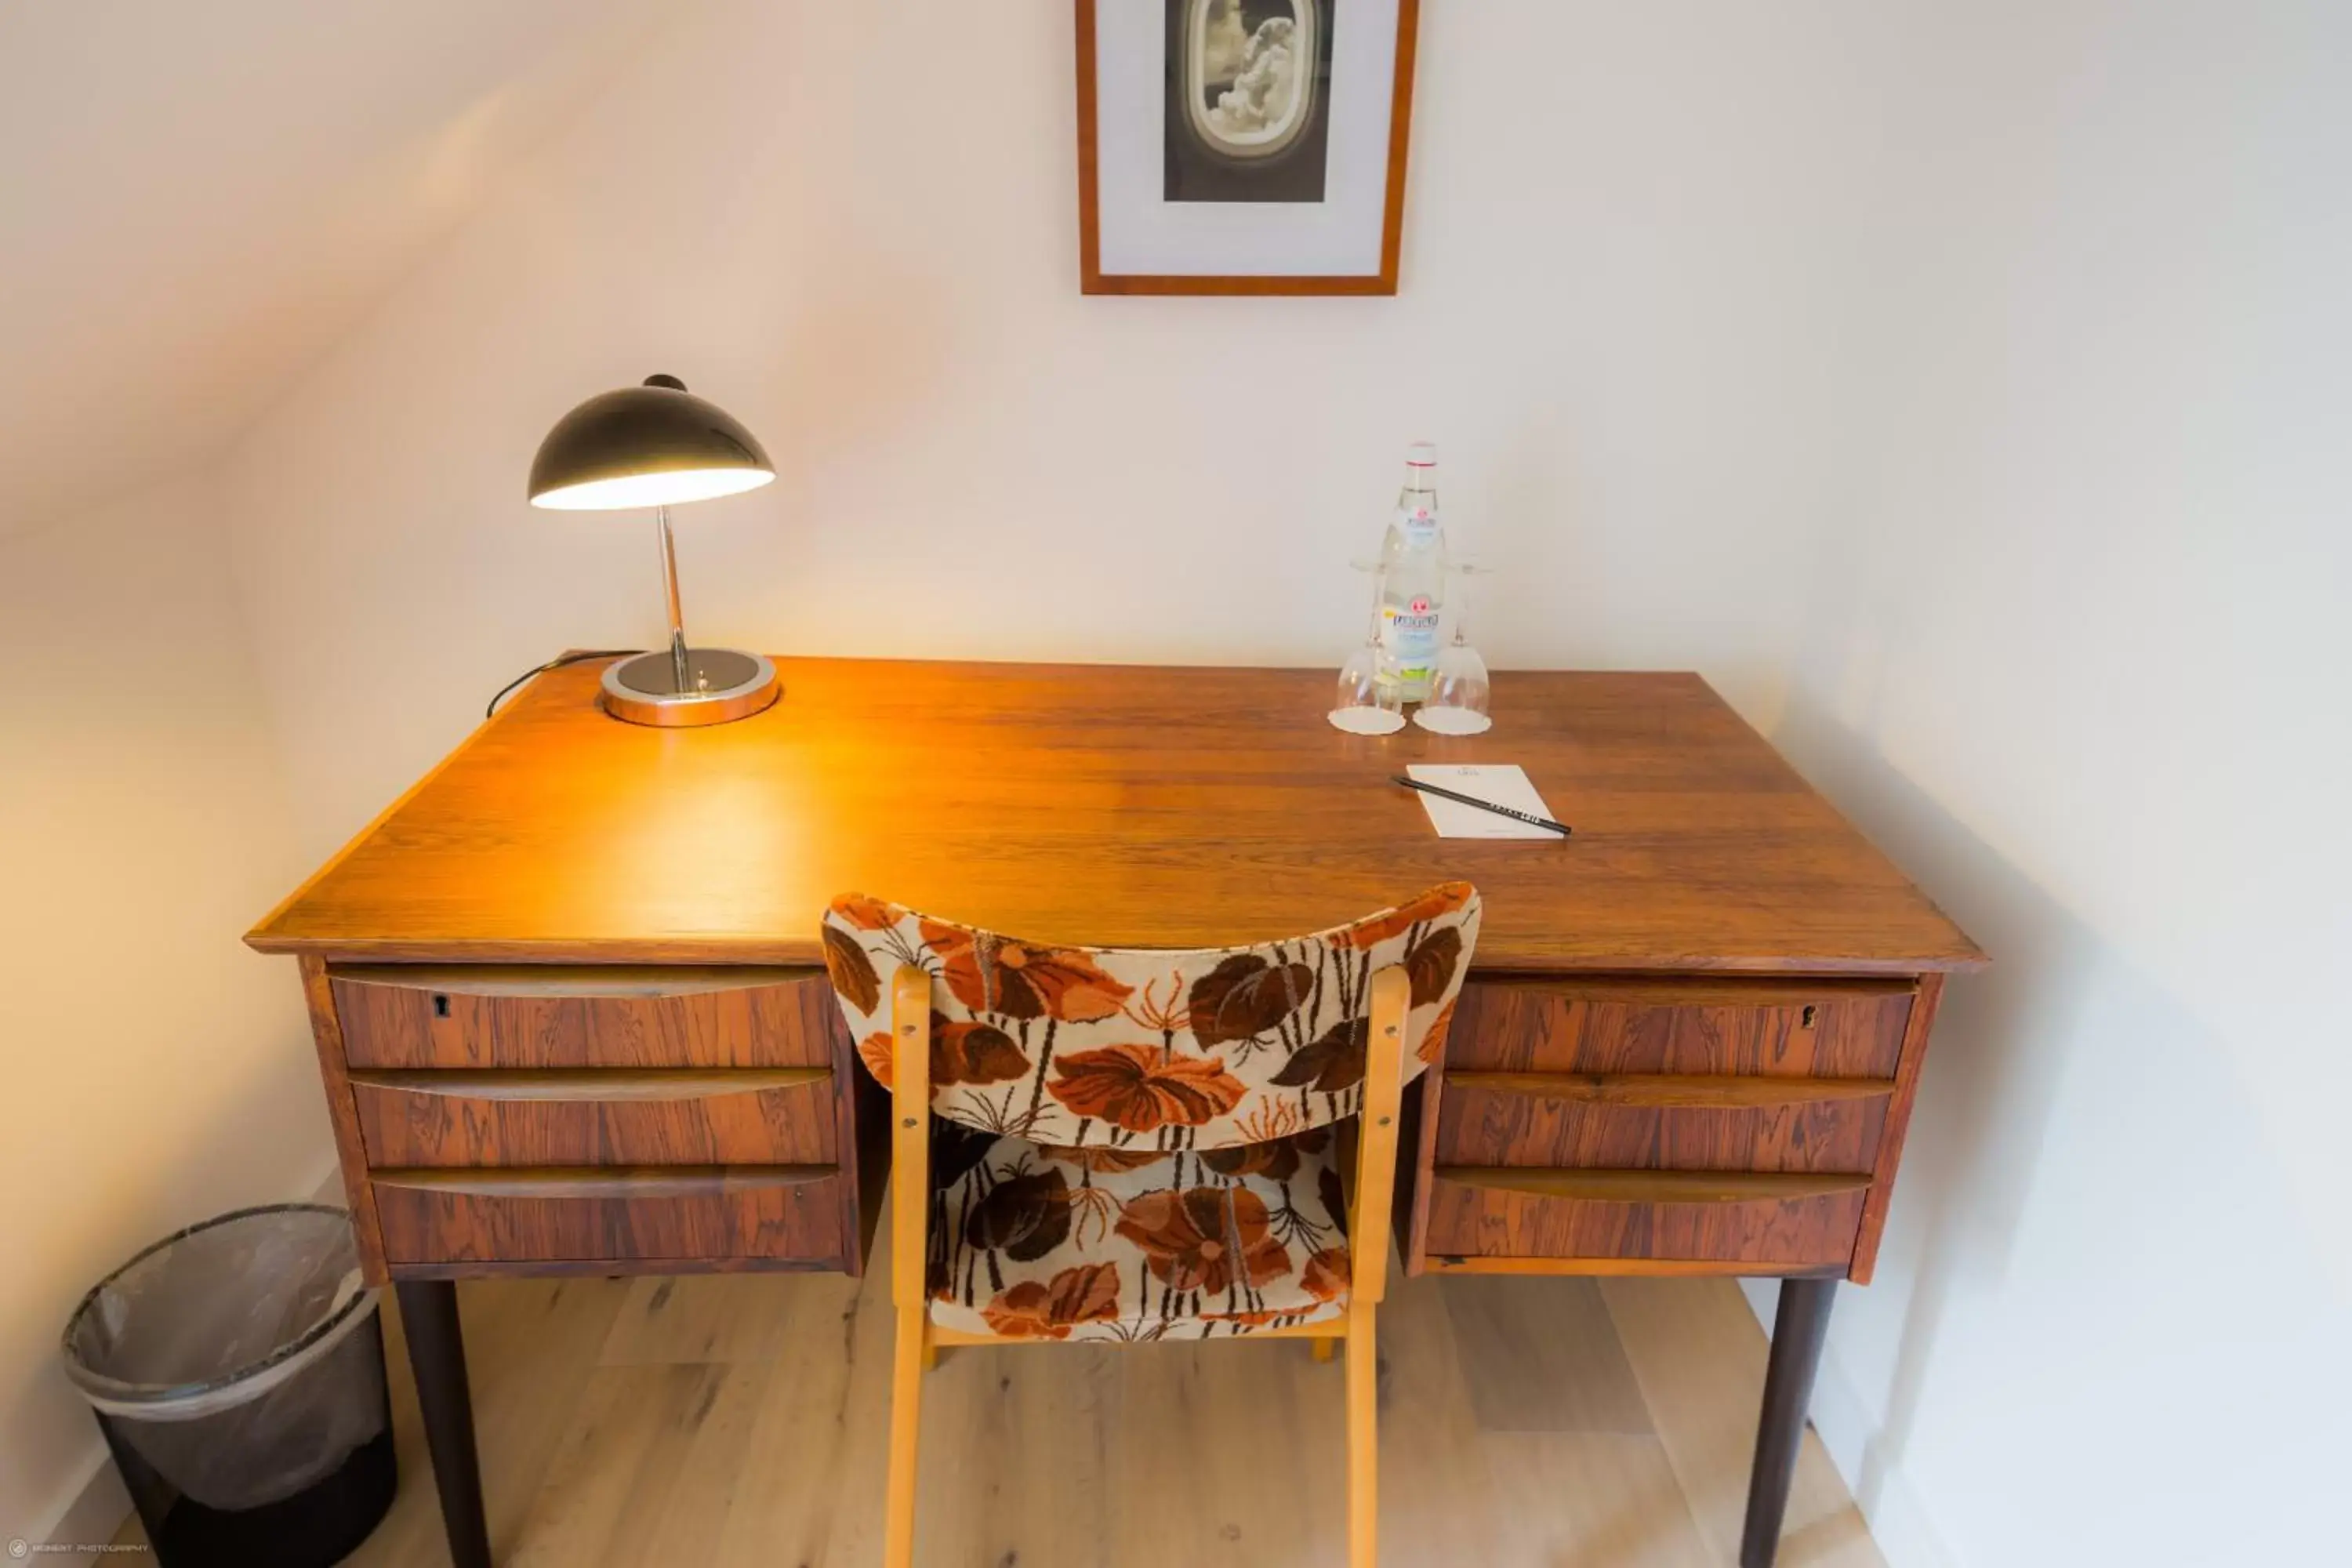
(669, 587)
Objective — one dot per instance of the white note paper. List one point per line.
(1504, 784)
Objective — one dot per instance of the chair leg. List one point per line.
(931, 1354)
(1323, 1348)
(906, 1421)
(1363, 1439)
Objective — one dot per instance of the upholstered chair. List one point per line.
(1130, 1144)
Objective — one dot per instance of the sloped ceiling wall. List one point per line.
(196, 200)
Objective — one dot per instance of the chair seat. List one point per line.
(1031, 1241)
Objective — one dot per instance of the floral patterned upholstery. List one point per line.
(1172, 1049)
(1136, 1143)
(1031, 1241)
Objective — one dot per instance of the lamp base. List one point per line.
(721, 686)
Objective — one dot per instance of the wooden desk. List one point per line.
(570, 1019)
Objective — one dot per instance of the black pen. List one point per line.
(1528, 817)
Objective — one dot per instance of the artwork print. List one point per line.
(1248, 100)
(1242, 146)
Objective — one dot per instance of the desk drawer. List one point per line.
(1632, 1122)
(1779, 1221)
(773, 1115)
(416, 1016)
(771, 1214)
(1803, 1028)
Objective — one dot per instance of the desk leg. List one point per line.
(436, 1354)
(1799, 1330)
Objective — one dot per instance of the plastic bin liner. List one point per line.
(227, 1355)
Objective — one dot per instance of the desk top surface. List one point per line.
(1113, 806)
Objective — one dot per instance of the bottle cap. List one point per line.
(1421, 455)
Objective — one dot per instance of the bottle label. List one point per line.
(1409, 632)
(1418, 522)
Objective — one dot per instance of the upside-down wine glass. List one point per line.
(1365, 704)
(1459, 687)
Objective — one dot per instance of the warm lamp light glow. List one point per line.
(657, 445)
(631, 490)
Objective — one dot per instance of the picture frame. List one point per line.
(1242, 146)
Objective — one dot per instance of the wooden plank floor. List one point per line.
(739, 1422)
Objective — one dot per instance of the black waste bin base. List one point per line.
(316, 1528)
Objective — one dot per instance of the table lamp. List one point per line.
(653, 446)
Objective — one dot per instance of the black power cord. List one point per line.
(557, 662)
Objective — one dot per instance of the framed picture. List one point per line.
(1242, 146)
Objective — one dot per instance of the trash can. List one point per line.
(237, 1370)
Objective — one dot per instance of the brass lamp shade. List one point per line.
(657, 445)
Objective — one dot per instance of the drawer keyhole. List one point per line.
(1810, 1011)
(441, 1008)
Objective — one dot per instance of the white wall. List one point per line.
(195, 201)
(854, 227)
(156, 1072)
(2078, 658)
(1962, 389)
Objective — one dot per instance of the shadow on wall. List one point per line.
(1992, 1076)
(2095, 1290)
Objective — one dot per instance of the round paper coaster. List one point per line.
(1367, 720)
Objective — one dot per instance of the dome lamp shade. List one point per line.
(655, 444)
(658, 446)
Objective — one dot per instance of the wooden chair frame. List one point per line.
(919, 1339)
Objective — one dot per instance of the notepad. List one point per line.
(1504, 784)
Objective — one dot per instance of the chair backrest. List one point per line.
(1150, 1048)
